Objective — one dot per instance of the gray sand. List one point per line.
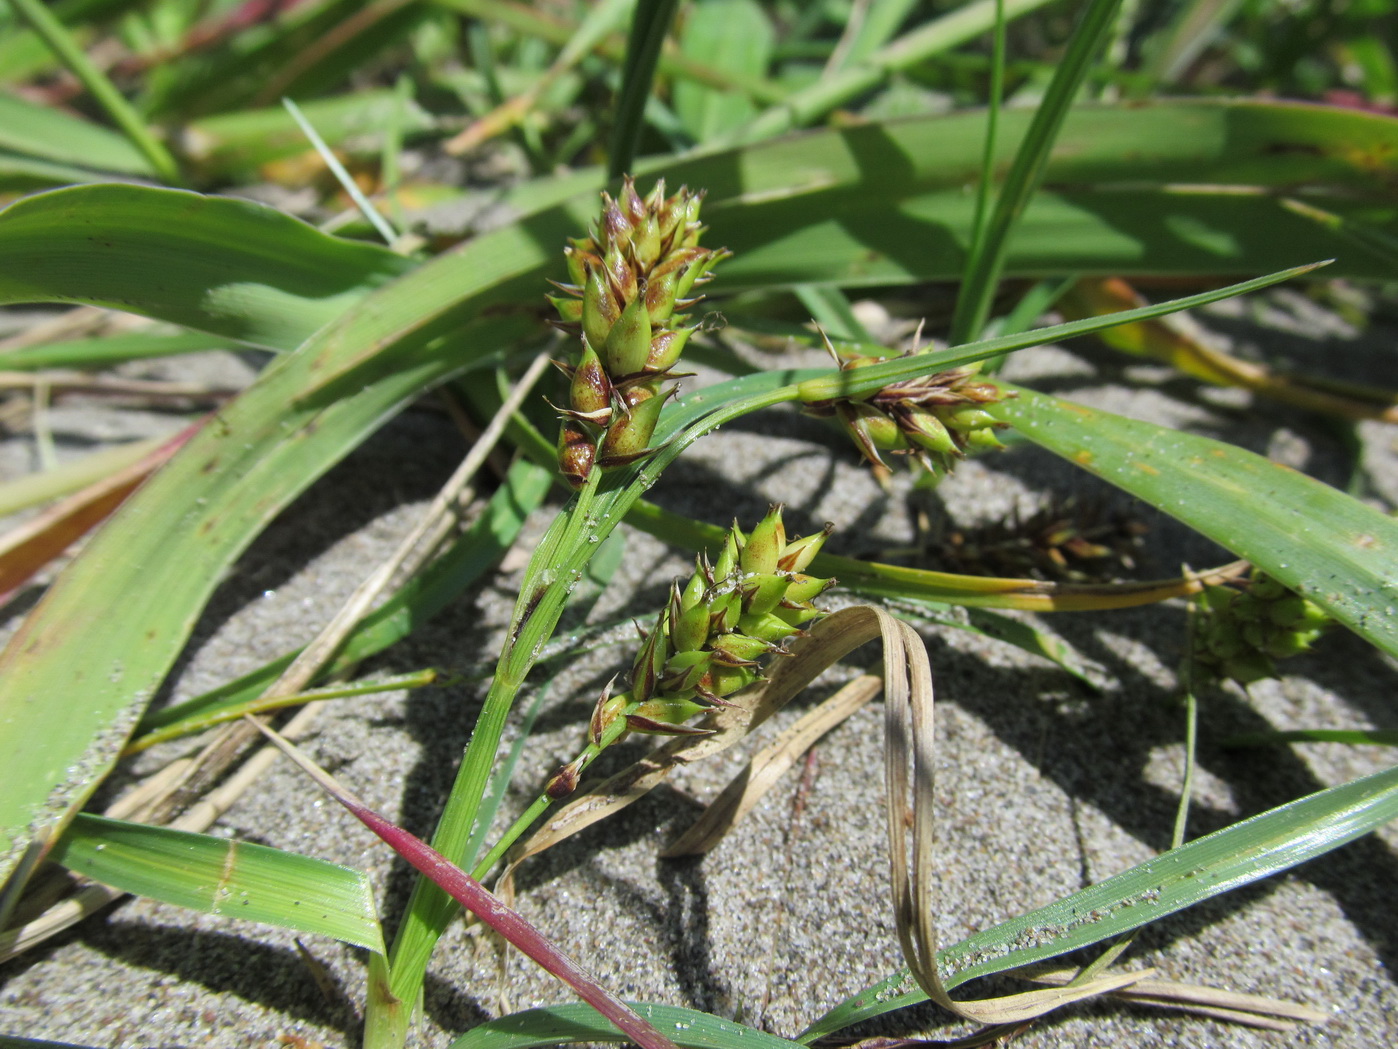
(1046, 786)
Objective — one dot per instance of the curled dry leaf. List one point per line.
(908, 700)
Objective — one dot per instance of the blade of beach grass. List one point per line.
(27, 549)
(107, 350)
(68, 477)
(549, 1025)
(951, 30)
(219, 876)
(57, 37)
(1227, 859)
(987, 257)
(302, 414)
(650, 23)
(1339, 552)
(51, 134)
(231, 267)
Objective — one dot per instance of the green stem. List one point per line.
(613, 732)
(983, 272)
(61, 42)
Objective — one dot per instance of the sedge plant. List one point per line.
(1198, 190)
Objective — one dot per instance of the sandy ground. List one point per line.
(1046, 784)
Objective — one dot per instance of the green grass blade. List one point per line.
(107, 350)
(231, 267)
(473, 553)
(575, 1022)
(1246, 852)
(956, 27)
(51, 134)
(238, 143)
(732, 35)
(56, 35)
(1031, 158)
(649, 25)
(66, 478)
(219, 876)
(160, 556)
(1320, 542)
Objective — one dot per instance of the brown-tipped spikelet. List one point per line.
(933, 418)
(628, 280)
(709, 641)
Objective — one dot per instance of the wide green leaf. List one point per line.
(219, 876)
(51, 134)
(736, 37)
(1227, 859)
(1160, 188)
(230, 267)
(576, 1022)
(76, 678)
(1320, 542)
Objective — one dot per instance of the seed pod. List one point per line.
(799, 553)
(628, 343)
(628, 437)
(650, 662)
(762, 593)
(764, 544)
(590, 390)
(576, 453)
(690, 629)
(737, 650)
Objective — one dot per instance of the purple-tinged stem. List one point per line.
(477, 899)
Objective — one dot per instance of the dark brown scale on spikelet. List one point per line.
(935, 419)
(628, 282)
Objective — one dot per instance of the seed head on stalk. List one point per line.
(709, 641)
(933, 418)
(1240, 632)
(628, 280)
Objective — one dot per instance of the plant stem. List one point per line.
(61, 42)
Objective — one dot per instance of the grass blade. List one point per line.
(988, 252)
(51, 134)
(1228, 859)
(649, 25)
(226, 266)
(219, 876)
(1320, 542)
(577, 1023)
(42, 21)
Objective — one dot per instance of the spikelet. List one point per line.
(1240, 633)
(628, 280)
(710, 640)
(934, 419)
